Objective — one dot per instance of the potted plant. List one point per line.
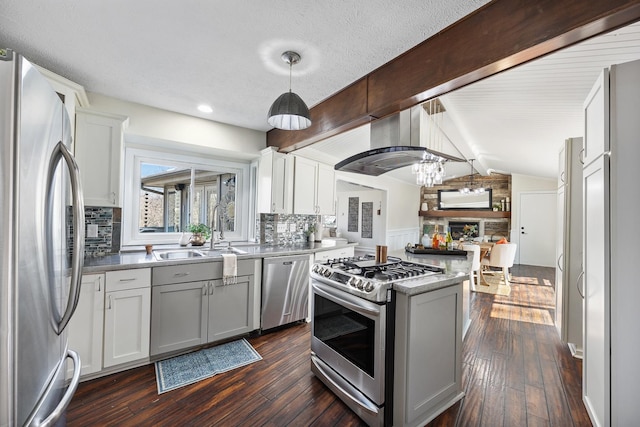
(201, 232)
(310, 233)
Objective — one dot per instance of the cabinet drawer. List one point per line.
(186, 273)
(198, 271)
(128, 279)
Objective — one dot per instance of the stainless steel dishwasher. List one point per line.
(285, 290)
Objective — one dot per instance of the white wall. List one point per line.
(399, 208)
(526, 183)
(219, 138)
(342, 215)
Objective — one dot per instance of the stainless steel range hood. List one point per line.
(395, 143)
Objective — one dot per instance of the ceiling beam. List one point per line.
(498, 36)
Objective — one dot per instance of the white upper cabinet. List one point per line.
(99, 153)
(314, 188)
(596, 123)
(72, 94)
(275, 182)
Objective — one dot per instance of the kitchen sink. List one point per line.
(178, 254)
(225, 250)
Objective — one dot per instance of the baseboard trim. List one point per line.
(575, 351)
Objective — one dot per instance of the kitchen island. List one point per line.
(405, 318)
(428, 340)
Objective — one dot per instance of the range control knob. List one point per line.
(326, 272)
(315, 268)
(360, 284)
(352, 281)
(368, 287)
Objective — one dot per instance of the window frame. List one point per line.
(134, 155)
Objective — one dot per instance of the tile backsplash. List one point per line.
(294, 227)
(109, 221)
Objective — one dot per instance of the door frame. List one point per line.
(516, 229)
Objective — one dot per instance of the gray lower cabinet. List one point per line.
(186, 314)
(179, 316)
(230, 308)
(428, 355)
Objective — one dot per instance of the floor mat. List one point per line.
(190, 368)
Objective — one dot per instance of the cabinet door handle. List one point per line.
(559, 258)
(99, 281)
(562, 176)
(210, 288)
(180, 274)
(109, 301)
(581, 292)
(128, 280)
(581, 156)
(113, 197)
(204, 289)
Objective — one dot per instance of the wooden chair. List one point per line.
(501, 256)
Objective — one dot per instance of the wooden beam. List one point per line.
(495, 38)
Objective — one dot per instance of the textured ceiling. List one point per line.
(175, 55)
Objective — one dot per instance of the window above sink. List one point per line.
(166, 191)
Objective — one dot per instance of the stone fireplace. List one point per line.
(456, 228)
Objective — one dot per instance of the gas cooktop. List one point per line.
(364, 277)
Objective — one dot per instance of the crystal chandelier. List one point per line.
(471, 188)
(430, 170)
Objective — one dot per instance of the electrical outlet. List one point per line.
(92, 230)
(281, 227)
(293, 227)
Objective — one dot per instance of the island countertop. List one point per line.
(456, 270)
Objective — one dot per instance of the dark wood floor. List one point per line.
(515, 373)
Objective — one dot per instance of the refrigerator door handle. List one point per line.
(77, 260)
(71, 389)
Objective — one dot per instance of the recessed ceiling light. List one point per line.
(205, 108)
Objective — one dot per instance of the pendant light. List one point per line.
(470, 188)
(289, 112)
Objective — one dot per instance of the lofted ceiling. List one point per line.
(516, 121)
(177, 55)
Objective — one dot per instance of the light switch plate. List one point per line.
(292, 227)
(92, 230)
(281, 227)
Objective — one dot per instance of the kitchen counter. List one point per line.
(456, 270)
(139, 259)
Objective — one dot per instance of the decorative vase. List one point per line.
(184, 239)
(426, 241)
(311, 238)
(198, 239)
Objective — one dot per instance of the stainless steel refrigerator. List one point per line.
(40, 263)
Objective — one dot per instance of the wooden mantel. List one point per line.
(467, 213)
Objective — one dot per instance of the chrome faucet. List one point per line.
(214, 225)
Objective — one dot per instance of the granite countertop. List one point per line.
(139, 259)
(456, 269)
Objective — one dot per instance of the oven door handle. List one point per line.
(352, 302)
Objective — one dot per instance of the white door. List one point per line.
(537, 230)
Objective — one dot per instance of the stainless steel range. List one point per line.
(353, 320)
